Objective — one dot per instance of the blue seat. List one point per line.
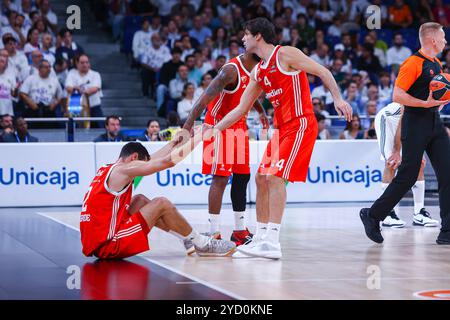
(131, 25)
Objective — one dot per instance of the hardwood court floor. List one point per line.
(326, 255)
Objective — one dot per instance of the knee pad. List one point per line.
(239, 191)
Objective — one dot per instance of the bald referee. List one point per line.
(421, 130)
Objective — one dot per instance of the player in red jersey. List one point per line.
(228, 152)
(113, 224)
(281, 74)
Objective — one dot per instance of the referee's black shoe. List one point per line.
(443, 238)
(371, 226)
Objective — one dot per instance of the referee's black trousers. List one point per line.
(422, 130)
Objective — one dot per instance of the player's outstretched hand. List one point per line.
(344, 109)
(208, 131)
(431, 102)
(395, 160)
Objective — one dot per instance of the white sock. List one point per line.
(197, 239)
(239, 220)
(383, 187)
(261, 231)
(273, 232)
(214, 223)
(418, 191)
(176, 234)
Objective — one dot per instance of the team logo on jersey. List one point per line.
(244, 79)
(274, 93)
(273, 69)
(431, 72)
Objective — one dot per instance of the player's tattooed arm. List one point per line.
(227, 75)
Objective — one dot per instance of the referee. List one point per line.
(421, 130)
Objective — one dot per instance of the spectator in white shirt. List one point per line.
(17, 59)
(48, 15)
(176, 87)
(321, 55)
(206, 80)
(87, 82)
(14, 29)
(141, 40)
(186, 46)
(61, 68)
(47, 43)
(7, 88)
(186, 104)
(36, 57)
(41, 93)
(151, 62)
(398, 52)
(385, 88)
(32, 42)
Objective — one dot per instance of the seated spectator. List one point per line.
(369, 113)
(195, 75)
(186, 46)
(42, 26)
(319, 107)
(185, 105)
(206, 80)
(352, 96)
(233, 50)
(334, 29)
(385, 88)
(220, 39)
(173, 33)
(339, 53)
(21, 134)
(32, 42)
(14, 29)
(369, 62)
(305, 31)
(372, 95)
(168, 72)
(48, 15)
(350, 51)
(202, 63)
(88, 83)
(152, 61)
(152, 131)
(323, 93)
(323, 133)
(36, 58)
(353, 129)
(8, 87)
(68, 49)
(400, 15)
(141, 40)
(379, 53)
(41, 93)
(338, 74)
(112, 134)
(6, 125)
(183, 7)
(164, 6)
(295, 40)
(176, 87)
(219, 63)
(199, 31)
(47, 43)
(18, 61)
(397, 53)
(61, 70)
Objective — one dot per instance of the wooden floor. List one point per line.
(325, 256)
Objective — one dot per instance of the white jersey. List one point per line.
(386, 124)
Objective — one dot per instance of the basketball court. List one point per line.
(326, 255)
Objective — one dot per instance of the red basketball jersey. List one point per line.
(288, 92)
(102, 212)
(228, 100)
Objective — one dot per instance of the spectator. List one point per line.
(319, 108)
(186, 104)
(372, 95)
(42, 26)
(8, 87)
(167, 73)
(152, 131)
(141, 40)
(323, 133)
(334, 29)
(305, 31)
(48, 15)
(199, 31)
(400, 15)
(338, 74)
(173, 33)
(379, 53)
(25, 8)
(11, 28)
(219, 63)
(151, 62)
(117, 11)
(68, 49)
(173, 123)
(176, 87)
(385, 88)
(377, 43)
(350, 52)
(397, 53)
(370, 113)
(353, 129)
(36, 58)
(88, 83)
(183, 7)
(32, 42)
(61, 70)
(352, 12)
(220, 39)
(6, 125)
(21, 134)
(233, 49)
(142, 8)
(16, 58)
(224, 7)
(41, 93)
(206, 80)
(112, 134)
(186, 46)
(352, 96)
(441, 13)
(369, 62)
(339, 53)
(47, 43)
(195, 75)
(295, 40)
(164, 6)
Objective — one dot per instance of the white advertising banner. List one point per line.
(339, 171)
(45, 174)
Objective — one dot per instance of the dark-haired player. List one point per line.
(281, 74)
(113, 224)
(228, 152)
(421, 130)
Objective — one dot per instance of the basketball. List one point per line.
(440, 86)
